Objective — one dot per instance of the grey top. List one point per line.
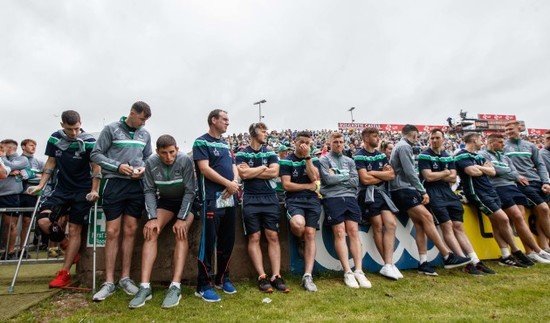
(506, 173)
(525, 156)
(344, 181)
(402, 161)
(13, 184)
(545, 155)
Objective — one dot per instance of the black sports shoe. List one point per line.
(472, 270)
(264, 285)
(426, 269)
(280, 285)
(454, 261)
(510, 261)
(523, 259)
(486, 270)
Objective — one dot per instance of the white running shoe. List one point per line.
(350, 281)
(362, 279)
(545, 255)
(537, 258)
(399, 274)
(388, 271)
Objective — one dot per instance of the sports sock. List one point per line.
(474, 258)
(505, 252)
(177, 284)
(145, 285)
(423, 258)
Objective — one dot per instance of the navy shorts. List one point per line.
(308, 207)
(173, 206)
(488, 203)
(444, 211)
(373, 209)
(534, 193)
(10, 201)
(260, 211)
(340, 209)
(72, 203)
(26, 200)
(510, 195)
(123, 196)
(406, 199)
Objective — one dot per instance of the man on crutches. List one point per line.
(68, 150)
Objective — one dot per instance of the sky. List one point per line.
(399, 62)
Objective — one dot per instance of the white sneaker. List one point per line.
(396, 270)
(350, 281)
(545, 255)
(362, 279)
(537, 258)
(388, 271)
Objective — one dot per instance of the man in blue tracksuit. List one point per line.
(218, 182)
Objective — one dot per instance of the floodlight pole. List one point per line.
(351, 112)
(259, 104)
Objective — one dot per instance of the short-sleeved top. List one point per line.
(295, 167)
(472, 185)
(371, 161)
(429, 159)
(220, 159)
(257, 158)
(74, 168)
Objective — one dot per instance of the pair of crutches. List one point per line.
(24, 245)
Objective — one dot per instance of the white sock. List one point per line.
(177, 284)
(307, 274)
(474, 257)
(145, 285)
(423, 257)
(123, 278)
(505, 252)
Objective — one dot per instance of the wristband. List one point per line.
(307, 157)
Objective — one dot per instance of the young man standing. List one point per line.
(474, 170)
(300, 179)
(169, 186)
(121, 151)
(374, 175)
(258, 167)
(218, 183)
(68, 152)
(409, 195)
(438, 173)
(339, 182)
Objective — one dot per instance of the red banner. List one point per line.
(387, 126)
(536, 132)
(498, 117)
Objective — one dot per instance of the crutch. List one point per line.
(95, 248)
(21, 254)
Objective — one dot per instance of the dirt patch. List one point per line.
(61, 306)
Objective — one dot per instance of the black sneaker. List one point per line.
(472, 270)
(280, 285)
(264, 285)
(486, 270)
(9, 256)
(523, 259)
(426, 269)
(511, 262)
(454, 261)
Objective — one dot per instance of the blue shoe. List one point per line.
(208, 294)
(227, 287)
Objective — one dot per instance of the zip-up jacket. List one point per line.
(526, 158)
(402, 162)
(171, 182)
(344, 182)
(545, 155)
(13, 184)
(35, 167)
(119, 144)
(506, 173)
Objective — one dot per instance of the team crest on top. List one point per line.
(251, 163)
(264, 162)
(295, 173)
(369, 167)
(380, 165)
(436, 165)
(216, 152)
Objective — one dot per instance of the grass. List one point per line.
(511, 295)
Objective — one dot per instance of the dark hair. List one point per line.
(495, 136)
(368, 131)
(214, 114)
(547, 132)
(70, 117)
(470, 136)
(166, 141)
(408, 129)
(26, 141)
(434, 130)
(306, 134)
(140, 107)
(252, 130)
(384, 145)
(8, 142)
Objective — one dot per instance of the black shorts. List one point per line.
(340, 209)
(26, 200)
(534, 193)
(510, 195)
(488, 203)
(173, 206)
(308, 207)
(260, 211)
(406, 199)
(373, 209)
(123, 196)
(444, 211)
(9, 201)
(72, 203)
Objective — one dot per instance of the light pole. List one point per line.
(259, 104)
(351, 111)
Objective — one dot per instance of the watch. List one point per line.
(307, 157)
